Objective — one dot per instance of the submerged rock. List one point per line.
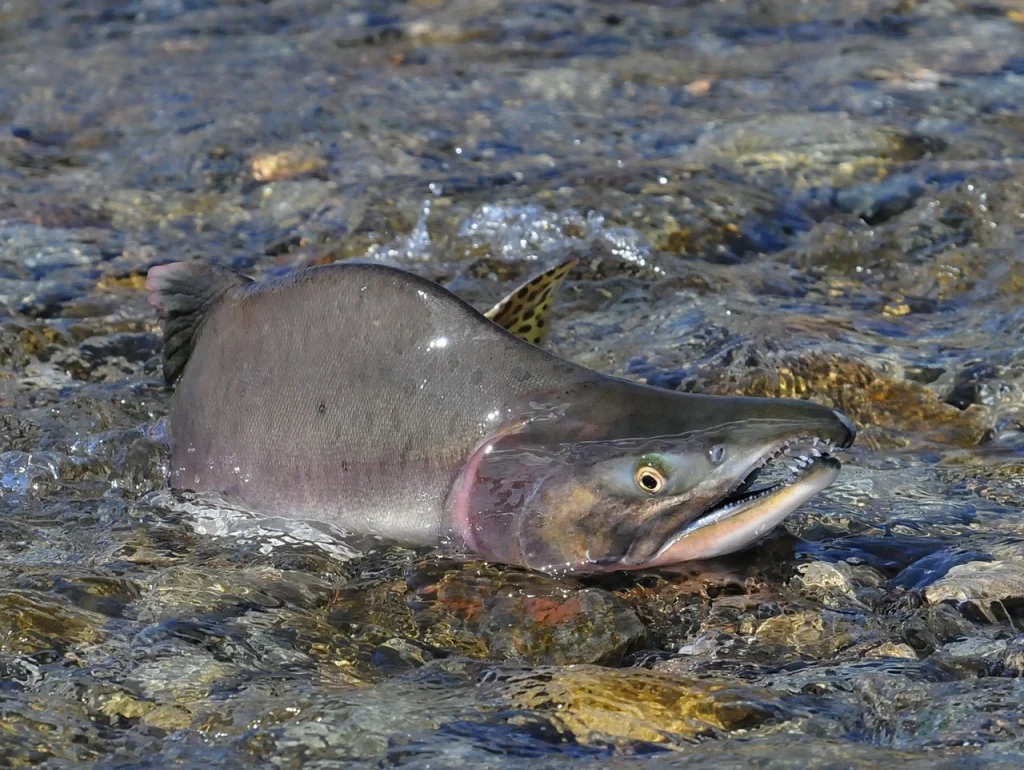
(31, 623)
(809, 634)
(522, 616)
(888, 412)
(983, 587)
(37, 250)
(286, 164)
(624, 706)
(836, 585)
(811, 200)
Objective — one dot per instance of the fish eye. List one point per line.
(650, 479)
(717, 453)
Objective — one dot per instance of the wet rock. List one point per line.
(932, 626)
(233, 589)
(31, 623)
(169, 717)
(875, 202)
(37, 250)
(132, 347)
(809, 634)
(624, 706)
(836, 585)
(286, 164)
(510, 232)
(18, 433)
(891, 650)
(888, 412)
(978, 649)
(933, 252)
(341, 653)
(985, 588)
(1013, 657)
(826, 147)
(180, 674)
(142, 468)
(23, 343)
(522, 616)
(70, 214)
(400, 655)
(998, 482)
(155, 541)
(946, 623)
(111, 358)
(99, 593)
(289, 204)
(86, 412)
(123, 704)
(53, 728)
(976, 384)
(331, 230)
(673, 610)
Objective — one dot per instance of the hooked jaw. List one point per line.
(521, 499)
(790, 469)
(802, 469)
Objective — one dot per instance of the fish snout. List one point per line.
(764, 421)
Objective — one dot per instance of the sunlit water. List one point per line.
(815, 199)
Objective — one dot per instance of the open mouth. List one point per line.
(787, 465)
(784, 479)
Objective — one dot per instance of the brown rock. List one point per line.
(275, 166)
(625, 705)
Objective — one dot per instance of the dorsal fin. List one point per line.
(183, 294)
(524, 312)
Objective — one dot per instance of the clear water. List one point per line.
(819, 199)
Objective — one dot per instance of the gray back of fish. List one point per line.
(349, 393)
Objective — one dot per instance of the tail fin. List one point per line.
(183, 294)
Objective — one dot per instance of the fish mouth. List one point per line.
(790, 474)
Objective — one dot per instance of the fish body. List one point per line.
(373, 399)
(347, 393)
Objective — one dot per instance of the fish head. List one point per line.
(643, 478)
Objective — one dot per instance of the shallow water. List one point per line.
(818, 199)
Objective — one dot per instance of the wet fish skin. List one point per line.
(349, 393)
(373, 399)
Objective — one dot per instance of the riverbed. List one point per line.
(820, 200)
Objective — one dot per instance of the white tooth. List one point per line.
(814, 441)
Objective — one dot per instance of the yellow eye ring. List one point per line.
(649, 479)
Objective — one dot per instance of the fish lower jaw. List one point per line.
(742, 518)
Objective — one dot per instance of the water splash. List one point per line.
(532, 232)
(214, 516)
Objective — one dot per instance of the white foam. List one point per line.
(212, 516)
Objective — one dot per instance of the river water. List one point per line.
(819, 199)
